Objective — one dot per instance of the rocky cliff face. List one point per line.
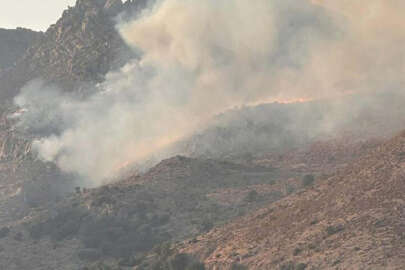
(82, 46)
(14, 43)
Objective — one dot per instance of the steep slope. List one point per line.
(14, 43)
(174, 200)
(179, 198)
(277, 127)
(80, 47)
(353, 220)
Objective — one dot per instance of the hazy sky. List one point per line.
(33, 14)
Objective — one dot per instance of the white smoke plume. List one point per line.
(201, 58)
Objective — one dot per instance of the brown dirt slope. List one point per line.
(353, 220)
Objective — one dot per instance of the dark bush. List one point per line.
(66, 230)
(236, 266)
(290, 189)
(297, 251)
(65, 224)
(118, 238)
(179, 261)
(4, 232)
(301, 266)
(196, 266)
(206, 225)
(252, 196)
(272, 182)
(293, 266)
(186, 262)
(288, 266)
(314, 222)
(308, 180)
(18, 237)
(330, 230)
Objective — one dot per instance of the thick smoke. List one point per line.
(201, 58)
(277, 128)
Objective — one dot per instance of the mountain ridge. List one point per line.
(80, 48)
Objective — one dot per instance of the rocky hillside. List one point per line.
(80, 47)
(352, 220)
(14, 43)
(179, 198)
(264, 187)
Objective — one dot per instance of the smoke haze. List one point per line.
(201, 58)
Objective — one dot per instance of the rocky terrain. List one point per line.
(81, 47)
(119, 224)
(178, 198)
(126, 224)
(78, 49)
(354, 219)
(273, 186)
